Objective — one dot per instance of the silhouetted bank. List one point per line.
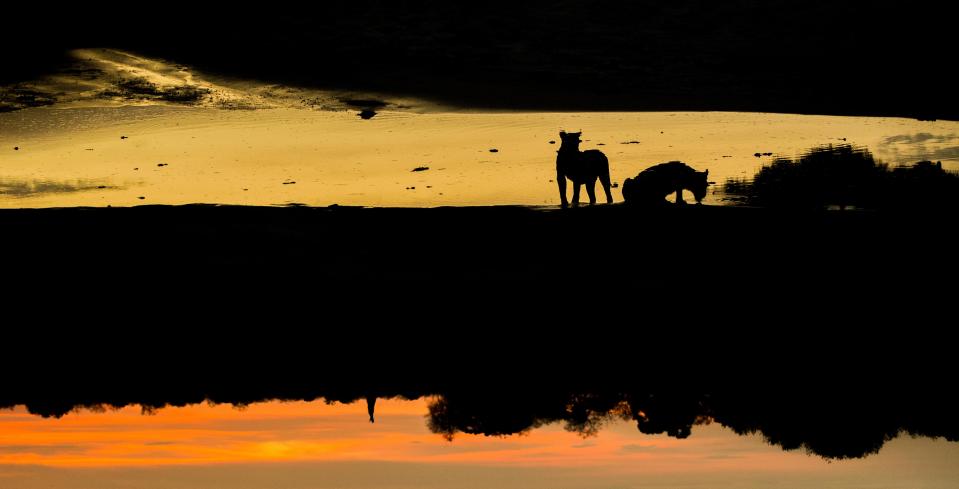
(350, 290)
(801, 325)
(789, 56)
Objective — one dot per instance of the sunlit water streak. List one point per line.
(291, 155)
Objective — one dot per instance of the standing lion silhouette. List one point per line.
(654, 184)
(581, 168)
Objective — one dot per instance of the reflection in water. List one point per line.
(114, 78)
(33, 188)
(312, 444)
(246, 156)
(832, 424)
(848, 176)
(922, 146)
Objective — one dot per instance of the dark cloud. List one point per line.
(723, 456)
(637, 448)
(40, 449)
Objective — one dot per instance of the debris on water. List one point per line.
(630, 142)
(615, 185)
(420, 168)
(600, 144)
(757, 155)
(429, 186)
(16, 148)
(162, 164)
(367, 107)
(410, 188)
(89, 149)
(552, 142)
(101, 186)
(767, 154)
(727, 156)
(141, 197)
(289, 182)
(364, 103)
(494, 150)
(137, 168)
(245, 189)
(123, 137)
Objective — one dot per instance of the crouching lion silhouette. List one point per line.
(654, 184)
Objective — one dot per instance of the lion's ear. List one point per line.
(706, 173)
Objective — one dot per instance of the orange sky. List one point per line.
(315, 434)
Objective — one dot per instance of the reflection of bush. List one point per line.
(845, 176)
(141, 88)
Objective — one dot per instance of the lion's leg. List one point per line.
(561, 182)
(604, 179)
(576, 186)
(679, 196)
(591, 191)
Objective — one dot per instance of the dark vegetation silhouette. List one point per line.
(654, 184)
(581, 168)
(847, 176)
(848, 425)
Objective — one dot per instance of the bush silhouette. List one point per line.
(846, 176)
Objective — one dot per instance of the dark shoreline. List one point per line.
(692, 250)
